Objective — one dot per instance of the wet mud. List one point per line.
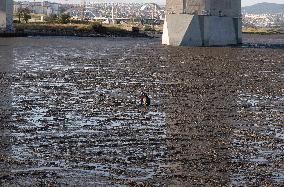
(70, 113)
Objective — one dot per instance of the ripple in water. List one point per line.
(72, 115)
(258, 139)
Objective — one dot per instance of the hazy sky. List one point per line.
(244, 2)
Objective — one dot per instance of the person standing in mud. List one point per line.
(145, 100)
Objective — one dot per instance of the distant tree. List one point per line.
(24, 13)
(64, 18)
(63, 9)
(27, 16)
(19, 14)
(53, 18)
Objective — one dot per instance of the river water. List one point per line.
(70, 114)
(62, 121)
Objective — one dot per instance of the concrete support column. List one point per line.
(202, 22)
(186, 29)
(6, 15)
(2, 14)
(184, 7)
(9, 15)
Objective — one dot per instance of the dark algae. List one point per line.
(71, 114)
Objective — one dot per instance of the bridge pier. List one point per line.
(202, 23)
(6, 15)
(196, 30)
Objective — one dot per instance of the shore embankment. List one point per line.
(97, 29)
(80, 30)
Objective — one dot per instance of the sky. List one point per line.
(244, 2)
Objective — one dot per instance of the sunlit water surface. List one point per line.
(76, 114)
(81, 125)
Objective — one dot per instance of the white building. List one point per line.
(45, 7)
(55, 8)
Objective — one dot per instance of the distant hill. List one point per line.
(264, 8)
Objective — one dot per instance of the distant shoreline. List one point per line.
(95, 30)
(129, 34)
(26, 34)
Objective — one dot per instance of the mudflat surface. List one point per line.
(70, 114)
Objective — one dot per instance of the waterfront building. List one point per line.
(45, 7)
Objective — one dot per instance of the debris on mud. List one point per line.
(70, 114)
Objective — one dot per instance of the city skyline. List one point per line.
(244, 2)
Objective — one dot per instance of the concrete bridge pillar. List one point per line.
(202, 22)
(6, 15)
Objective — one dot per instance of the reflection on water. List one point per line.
(257, 138)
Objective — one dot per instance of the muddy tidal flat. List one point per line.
(70, 113)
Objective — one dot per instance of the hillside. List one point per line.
(264, 8)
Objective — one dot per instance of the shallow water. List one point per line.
(258, 137)
(70, 111)
(63, 120)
